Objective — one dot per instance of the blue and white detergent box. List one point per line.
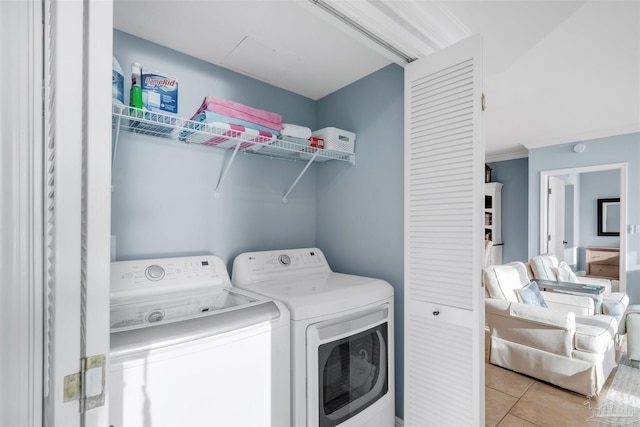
(159, 92)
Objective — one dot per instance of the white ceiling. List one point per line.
(554, 71)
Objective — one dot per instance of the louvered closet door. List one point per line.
(444, 178)
(77, 176)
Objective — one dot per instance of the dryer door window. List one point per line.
(352, 374)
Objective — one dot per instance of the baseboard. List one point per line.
(399, 422)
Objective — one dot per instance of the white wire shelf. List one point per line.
(188, 131)
(159, 125)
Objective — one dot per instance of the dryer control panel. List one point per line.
(252, 267)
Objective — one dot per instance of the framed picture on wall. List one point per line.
(487, 173)
(609, 217)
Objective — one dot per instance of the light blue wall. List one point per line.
(360, 208)
(163, 200)
(594, 186)
(513, 174)
(616, 149)
(515, 212)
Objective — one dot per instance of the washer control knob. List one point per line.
(155, 316)
(154, 272)
(284, 260)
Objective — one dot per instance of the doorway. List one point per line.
(564, 235)
(557, 214)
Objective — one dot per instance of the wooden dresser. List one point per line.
(603, 262)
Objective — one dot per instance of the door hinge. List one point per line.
(549, 191)
(548, 237)
(87, 386)
(482, 101)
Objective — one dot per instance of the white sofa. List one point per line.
(547, 267)
(564, 344)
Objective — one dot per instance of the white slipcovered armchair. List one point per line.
(547, 267)
(563, 344)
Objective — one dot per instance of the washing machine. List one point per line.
(187, 349)
(342, 341)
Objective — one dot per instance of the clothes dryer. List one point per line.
(187, 349)
(342, 340)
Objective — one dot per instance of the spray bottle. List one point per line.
(136, 88)
(117, 82)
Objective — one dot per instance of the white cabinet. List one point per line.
(493, 219)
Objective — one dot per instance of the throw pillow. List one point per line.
(530, 294)
(564, 273)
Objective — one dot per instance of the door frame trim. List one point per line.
(623, 168)
(21, 216)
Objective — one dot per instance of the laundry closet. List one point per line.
(164, 196)
(168, 198)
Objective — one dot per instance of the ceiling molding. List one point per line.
(488, 158)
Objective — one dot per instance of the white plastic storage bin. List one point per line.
(337, 139)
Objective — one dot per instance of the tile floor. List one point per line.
(512, 399)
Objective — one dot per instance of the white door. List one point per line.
(21, 213)
(444, 195)
(77, 191)
(556, 220)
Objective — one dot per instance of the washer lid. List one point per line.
(157, 291)
(141, 314)
(128, 341)
(309, 296)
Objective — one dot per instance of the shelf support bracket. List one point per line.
(284, 199)
(226, 169)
